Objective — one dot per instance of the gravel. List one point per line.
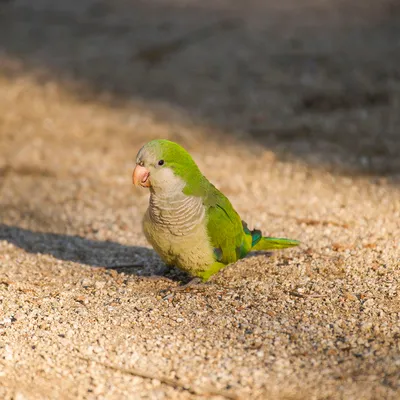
(86, 310)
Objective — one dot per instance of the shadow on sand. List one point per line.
(135, 260)
(306, 79)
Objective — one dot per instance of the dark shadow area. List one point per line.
(310, 80)
(135, 260)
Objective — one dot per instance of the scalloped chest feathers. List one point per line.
(176, 226)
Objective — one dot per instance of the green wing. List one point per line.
(224, 226)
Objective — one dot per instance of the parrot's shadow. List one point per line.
(136, 260)
(260, 253)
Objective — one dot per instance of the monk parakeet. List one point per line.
(189, 222)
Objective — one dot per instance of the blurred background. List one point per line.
(84, 83)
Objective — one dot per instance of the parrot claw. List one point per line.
(195, 283)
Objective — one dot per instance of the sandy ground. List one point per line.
(293, 110)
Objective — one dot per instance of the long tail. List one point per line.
(271, 243)
(260, 242)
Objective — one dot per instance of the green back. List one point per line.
(224, 226)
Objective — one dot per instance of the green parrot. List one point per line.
(189, 222)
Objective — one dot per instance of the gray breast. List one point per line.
(179, 215)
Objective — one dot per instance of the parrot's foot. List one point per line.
(195, 283)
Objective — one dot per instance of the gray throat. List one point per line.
(178, 214)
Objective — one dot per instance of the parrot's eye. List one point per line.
(161, 162)
(141, 163)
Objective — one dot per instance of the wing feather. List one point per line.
(224, 226)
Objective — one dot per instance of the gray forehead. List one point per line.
(139, 155)
(144, 153)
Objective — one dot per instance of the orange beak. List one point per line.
(141, 176)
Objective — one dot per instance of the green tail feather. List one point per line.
(270, 243)
(256, 241)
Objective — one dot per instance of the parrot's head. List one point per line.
(165, 166)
